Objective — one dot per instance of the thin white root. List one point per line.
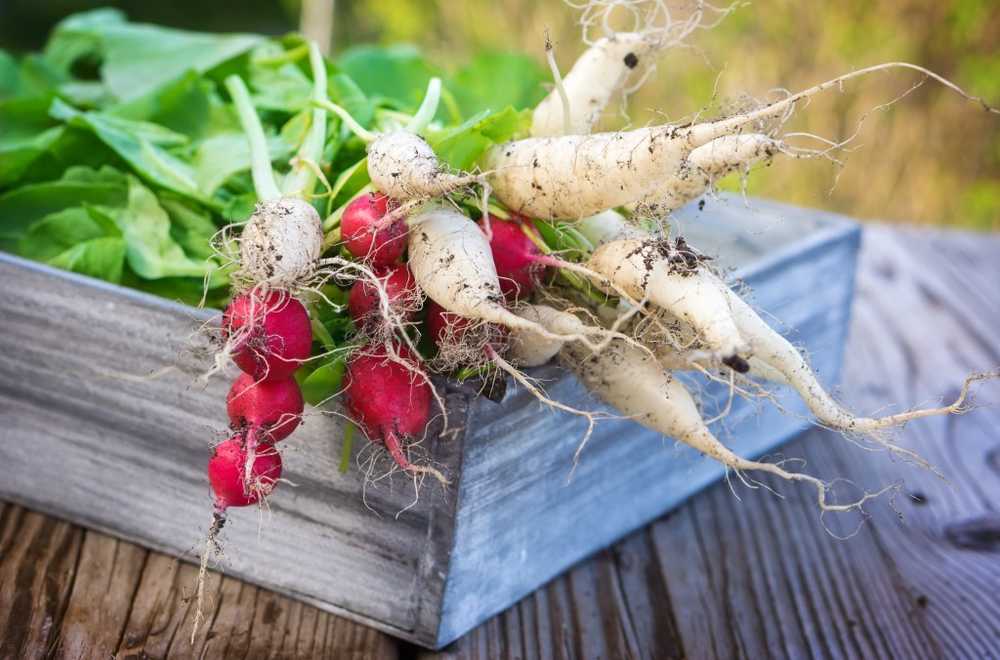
(537, 392)
(211, 545)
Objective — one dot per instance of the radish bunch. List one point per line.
(556, 244)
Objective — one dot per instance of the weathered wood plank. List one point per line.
(761, 576)
(36, 575)
(66, 592)
(91, 401)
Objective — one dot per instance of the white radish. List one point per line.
(595, 77)
(400, 163)
(709, 163)
(451, 261)
(672, 278)
(282, 243)
(777, 360)
(639, 387)
(579, 175)
(608, 226)
(283, 240)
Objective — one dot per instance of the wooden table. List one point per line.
(733, 573)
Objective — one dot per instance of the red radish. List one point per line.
(225, 473)
(272, 406)
(401, 289)
(367, 236)
(516, 257)
(442, 324)
(271, 333)
(387, 400)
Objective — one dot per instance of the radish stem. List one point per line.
(260, 160)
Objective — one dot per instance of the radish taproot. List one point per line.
(389, 398)
(639, 387)
(269, 334)
(518, 260)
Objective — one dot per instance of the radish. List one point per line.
(709, 163)
(389, 400)
(518, 261)
(269, 333)
(608, 226)
(588, 87)
(283, 240)
(639, 387)
(273, 407)
(229, 488)
(403, 297)
(366, 234)
(225, 474)
(672, 277)
(781, 362)
(400, 163)
(574, 176)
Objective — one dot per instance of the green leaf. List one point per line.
(152, 252)
(463, 145)
(397, 73)
(190, 226)
(138, 143)
(102, 258)
(21, 207)
(492, 81)
(138, 58)
(324, 381)
(59, 231)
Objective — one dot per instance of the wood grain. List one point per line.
(761, 576)
(66, 592)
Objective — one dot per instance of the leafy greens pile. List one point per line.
(121, 154)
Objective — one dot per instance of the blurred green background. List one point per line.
(931, 159)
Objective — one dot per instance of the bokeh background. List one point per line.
(932, 159)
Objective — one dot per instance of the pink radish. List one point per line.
(364, 305)
(274, 407)
(270, 333)
(388, 400)
(367, 236)
(516, 257)
(225, 473)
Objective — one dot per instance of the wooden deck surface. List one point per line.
(728, 575)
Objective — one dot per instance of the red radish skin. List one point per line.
(388, 401)
(442, 324)
(275, 407)
(516, 257)
(272, 332)
(225, 474)
(366, 235)
(363, 302)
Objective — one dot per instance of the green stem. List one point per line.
(260, 159)
(345, 452)
(428, 108)
(302, 179)
(349, 121)
(293, 55)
